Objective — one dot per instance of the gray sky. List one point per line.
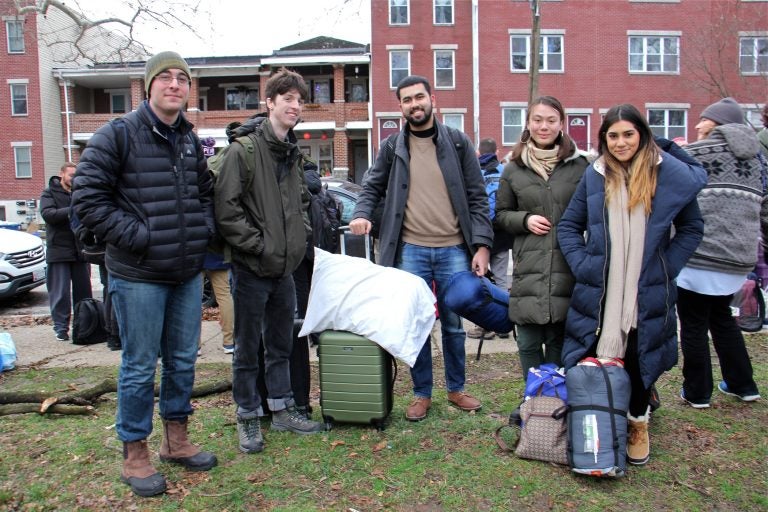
(246, 27)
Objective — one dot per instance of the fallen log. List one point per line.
(6, 410)
(84, 397)
(87, 397)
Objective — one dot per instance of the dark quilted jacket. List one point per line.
(54, 208)
(152, 204)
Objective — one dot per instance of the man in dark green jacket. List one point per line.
(261, 202)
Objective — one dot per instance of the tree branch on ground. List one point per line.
(12, 402)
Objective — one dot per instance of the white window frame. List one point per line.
(392, 53)
(663, 130)
(14, 84)
(443, 5)
(756, 58)
(544, 55)
(527, 40)
(397, 4)
(445, 53)
(18, 148)
(645, 38)
(454, 117)
(517, 128)
(15, 22)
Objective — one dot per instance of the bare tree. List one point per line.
(709, 55)
(74, 36)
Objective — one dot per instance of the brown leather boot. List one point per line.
(417, 411)
(177, 449)
(464, 401)
(138, 472)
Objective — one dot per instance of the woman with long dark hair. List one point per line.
(623, 304)
(534, 190)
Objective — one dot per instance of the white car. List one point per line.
(22, 262)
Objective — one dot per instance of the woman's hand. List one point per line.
(538, 225)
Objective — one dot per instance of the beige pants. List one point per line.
(220, 284)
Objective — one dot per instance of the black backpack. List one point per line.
(325, 215)
(89, 322)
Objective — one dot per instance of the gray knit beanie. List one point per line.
(162, 62)
(725, 111)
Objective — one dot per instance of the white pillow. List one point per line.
(391, 307)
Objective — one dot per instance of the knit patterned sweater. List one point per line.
(734, 203)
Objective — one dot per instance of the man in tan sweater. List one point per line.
(435, 223)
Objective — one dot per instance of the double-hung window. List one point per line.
(669, 123)
(15, 33)
(18, 97)
(398, 12)
(753, 54)
(399, 66)
(512, 124)
(22, 155)
(443, 12)
(550, 52)
(445, 66)
(654, 53)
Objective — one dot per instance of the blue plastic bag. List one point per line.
(548, 378)
(7, 352)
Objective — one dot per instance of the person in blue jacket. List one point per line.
(623, 303)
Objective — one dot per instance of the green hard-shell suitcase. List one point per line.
(356, 375)
(356, 379)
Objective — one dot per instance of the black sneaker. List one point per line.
(249, 435)
(62, 336)
(293, 420)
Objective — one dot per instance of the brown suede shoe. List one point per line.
(417, 411)
(464, 401)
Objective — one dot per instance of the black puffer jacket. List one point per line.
(144, 188)
(54, 208)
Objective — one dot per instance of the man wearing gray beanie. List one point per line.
(142, 186)
(734, 206)
(725, 111)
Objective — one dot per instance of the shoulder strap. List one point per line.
(250, 150)
(121, 137)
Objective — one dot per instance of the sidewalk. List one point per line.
(36, 345)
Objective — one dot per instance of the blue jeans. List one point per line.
(262, 306)
(438, 264)
(155, 319)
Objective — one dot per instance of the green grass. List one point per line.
(712, 459)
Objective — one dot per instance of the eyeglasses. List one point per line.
(167, 78)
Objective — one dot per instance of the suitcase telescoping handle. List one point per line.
(343, 230)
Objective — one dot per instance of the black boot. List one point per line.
(113, 342)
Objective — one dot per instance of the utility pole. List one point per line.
(533, 71)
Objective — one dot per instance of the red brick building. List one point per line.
(670, 58)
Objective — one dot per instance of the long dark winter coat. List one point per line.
(664, 256)
(541, 279)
